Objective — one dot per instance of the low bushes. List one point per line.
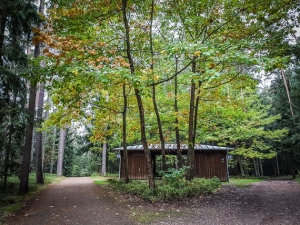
(173, 186)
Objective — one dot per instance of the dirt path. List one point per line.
(73, 201)
(264, 203)
(79, 201)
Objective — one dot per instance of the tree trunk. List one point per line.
(178, 151)
(256, 170)
(9, 144)
(144, 140)
(161, 135)
(26, 153)
(261, 168)
(104, 153)
(39, 138)
(7, 154)
(52, 151)
(287, 93)
(241, 166)
(61, 149)
(25, 168)
(39, 134)
(160, 131)
(139, 100)
(196, 112)
(191, 132)
(124, 132)
(3, 19)
(277, 166)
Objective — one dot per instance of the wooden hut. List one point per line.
(210, 161)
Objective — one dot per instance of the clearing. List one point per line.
(80, 201)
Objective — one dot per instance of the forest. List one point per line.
(79, 78)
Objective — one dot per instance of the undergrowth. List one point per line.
(172, 187)
(11, 201)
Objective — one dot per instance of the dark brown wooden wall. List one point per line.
(209, 164)
(137, 166)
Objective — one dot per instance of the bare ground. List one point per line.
(79, 201)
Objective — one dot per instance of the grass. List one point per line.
(243, 182)
(11, 202)
(286, 177)
(101, 180)
(297, 179)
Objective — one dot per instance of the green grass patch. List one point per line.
(285, 177)
(243, 182)
(12, 202)
(297, 179)
(100, 180)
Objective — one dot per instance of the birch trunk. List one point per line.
(61, 149)
(104, 156)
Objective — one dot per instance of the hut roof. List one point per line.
(173, 147)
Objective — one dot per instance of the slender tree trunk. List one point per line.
(277, 166)
(261, 167)
(3, 19)
(178, 151)
(52, 151)
(139, 100)
(292, 113)
(160, 131)
(287, 92)
(196, 112)
(7, 154)
(39, 138)
(61, 149)
(255, 167)
(104, 149)
(241, 165)
(124, 132)
(104, 153)
(39, 134)
(9, 144)
(191, 133)
(25, 168)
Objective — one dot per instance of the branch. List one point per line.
(170, 78)
(226, 82)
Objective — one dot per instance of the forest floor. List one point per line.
(80, 201)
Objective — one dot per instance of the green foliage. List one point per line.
(174, 177)
(171, 191)
(297, 179)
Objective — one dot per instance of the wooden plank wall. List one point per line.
(137, 166)
(209, 164)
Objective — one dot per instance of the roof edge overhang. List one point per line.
(174, 147)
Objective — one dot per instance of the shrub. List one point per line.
(172, 188)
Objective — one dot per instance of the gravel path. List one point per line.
(73, 201)
(264, 203)
(79, 201)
